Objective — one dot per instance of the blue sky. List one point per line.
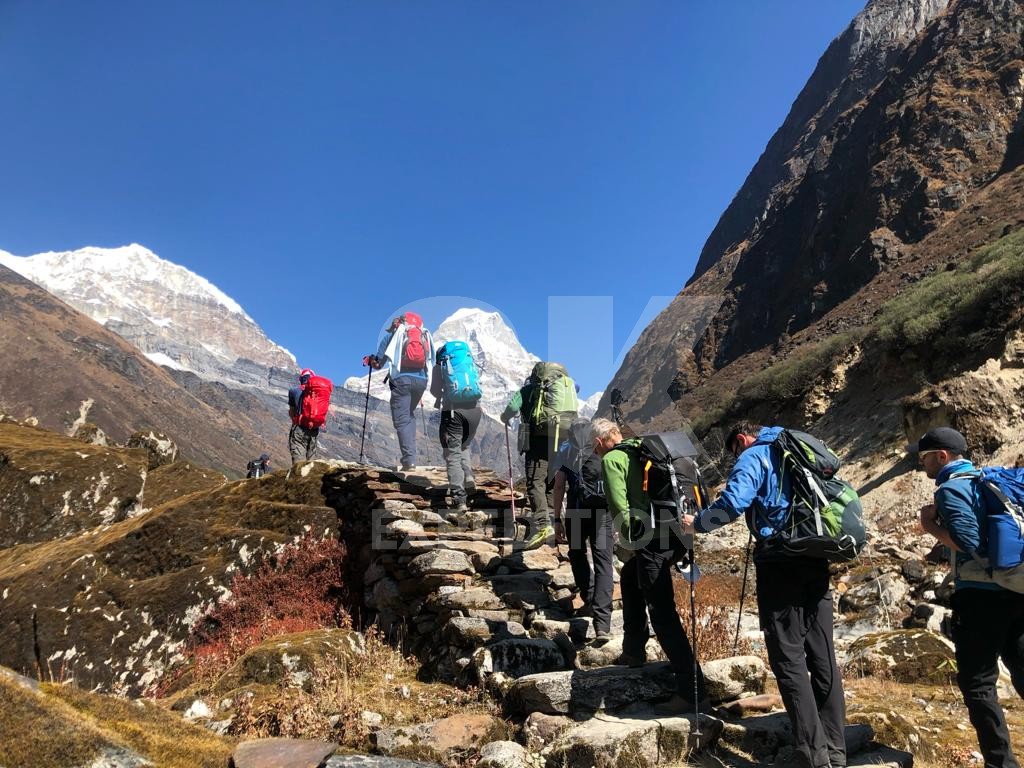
(325, 163)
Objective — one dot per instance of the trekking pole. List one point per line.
(511, 488)
(695, 734)
(743, 593)
(366, 410)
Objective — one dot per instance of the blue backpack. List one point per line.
(1002, 492)
(461, 379)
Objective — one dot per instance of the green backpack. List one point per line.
(552, 402)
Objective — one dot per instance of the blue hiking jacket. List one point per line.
(962, 512)
(295, 402)
(754, 484)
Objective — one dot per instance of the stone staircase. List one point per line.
(459, 592)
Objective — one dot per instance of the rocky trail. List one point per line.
(496, 664)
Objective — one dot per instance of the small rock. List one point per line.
(281, 753)
(503, 754)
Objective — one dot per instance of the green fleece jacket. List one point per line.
(624, 484)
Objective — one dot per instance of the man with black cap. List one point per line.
(988, 621)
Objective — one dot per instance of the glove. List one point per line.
(506, 417)
(372, 361)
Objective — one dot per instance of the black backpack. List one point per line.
(825, 519)
(587, 485)
(673, 483)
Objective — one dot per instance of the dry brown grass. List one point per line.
(716, 634)
(380, 680)
(929, 720)
(63, 725)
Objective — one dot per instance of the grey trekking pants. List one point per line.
(458, 427)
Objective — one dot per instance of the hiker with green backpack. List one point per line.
(547, 405)
(801, 516)
(455, 385)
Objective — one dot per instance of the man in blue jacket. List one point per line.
(794, 598)
(988, 621)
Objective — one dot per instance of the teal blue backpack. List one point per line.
(461, 379)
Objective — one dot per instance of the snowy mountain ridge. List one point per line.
(162, 308)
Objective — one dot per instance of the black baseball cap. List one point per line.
(940, 439)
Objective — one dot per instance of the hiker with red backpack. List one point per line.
(977, 514)
(408, 350)
(308, 404)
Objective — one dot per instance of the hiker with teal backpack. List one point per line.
(801, 516)
(455, 385)
(547, 405)
(977, 514)
(405, 347)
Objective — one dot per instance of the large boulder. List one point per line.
(158, 446)
(731, 678)
(504, 754)
(281, 753)
(906, 655)
(434, 740)
(587, 691)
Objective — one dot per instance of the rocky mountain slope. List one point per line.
(899, 160)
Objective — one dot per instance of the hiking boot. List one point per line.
(629, 660)
(407, 467)
(461, 507)
(469, 485)
(600, 639)
(539, 538)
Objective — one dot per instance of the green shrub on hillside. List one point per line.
(920, 314)
(793, 376)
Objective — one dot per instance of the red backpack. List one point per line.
(316, 399)
(414, 354)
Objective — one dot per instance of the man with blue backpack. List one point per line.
(976, 513)
(455, 385)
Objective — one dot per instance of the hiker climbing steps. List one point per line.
(477, 609)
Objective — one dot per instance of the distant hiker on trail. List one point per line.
(988, 619)
(646, 576)
(455, 385)
(408, 350)
(547, 404)
(308, 405)
(794, 595)
(580, 482)
(258, 467)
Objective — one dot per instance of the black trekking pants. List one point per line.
(592, 528)
(537, 485)
(646, 584)
(794, 601)
(988, 625)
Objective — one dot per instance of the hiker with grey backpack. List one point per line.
(547, 405)
(455, 385)
(977, 514)
(579, 482)
(801, 516)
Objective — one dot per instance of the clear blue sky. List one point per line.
(327, 162)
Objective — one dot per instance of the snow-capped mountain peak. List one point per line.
(173, 315)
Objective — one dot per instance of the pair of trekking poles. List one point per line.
(366, 411)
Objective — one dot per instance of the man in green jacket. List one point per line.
(646, 577)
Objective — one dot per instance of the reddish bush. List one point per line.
(300, 588)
